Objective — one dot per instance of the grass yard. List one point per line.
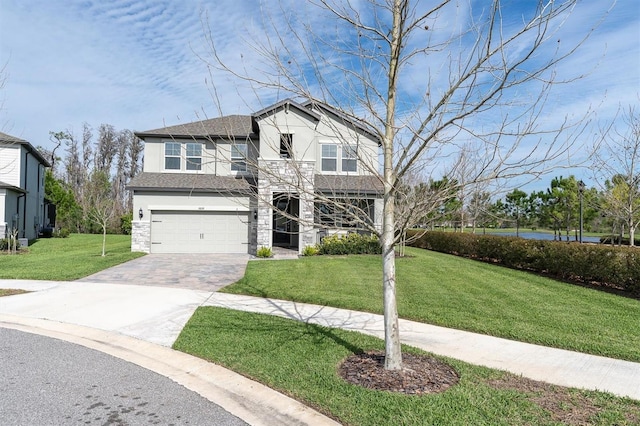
(63, 259)
(301, 360)
(446, 290)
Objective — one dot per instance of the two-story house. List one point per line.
(22, 170)
(283, 176)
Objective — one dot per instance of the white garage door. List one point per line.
(199, 232)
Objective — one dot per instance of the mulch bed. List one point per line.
(421, 374)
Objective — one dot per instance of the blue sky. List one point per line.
(135, 64)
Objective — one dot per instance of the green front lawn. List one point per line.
(460, 293)
(302, 360)
(62, 259)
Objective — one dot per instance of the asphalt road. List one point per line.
(45, 381)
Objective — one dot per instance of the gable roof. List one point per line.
(343, 117)
(286, 105)
(6, 139)
(188, 182)
(245, 126)
(236, 126)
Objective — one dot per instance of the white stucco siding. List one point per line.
(185, 201)
(290, 121)
(154, 156)
(224, 159)
(309, 135)
(331, 130)
(10, 164)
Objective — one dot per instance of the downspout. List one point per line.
(26, 188)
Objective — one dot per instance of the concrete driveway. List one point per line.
(207, 272)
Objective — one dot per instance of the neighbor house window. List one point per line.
(194, 156)
(349, 159)
(329, 158)
(239, 157)
(172, 156)
(286, 145)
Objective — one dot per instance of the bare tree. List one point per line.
(618, 165)
(106, 148)
(425, 82)
(98, 205)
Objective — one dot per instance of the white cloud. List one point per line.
(134, 64)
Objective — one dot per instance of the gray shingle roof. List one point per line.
(4, 185)
(8, 139)
(286, 104)
(339, 184)
(228, 126)
(189, 182)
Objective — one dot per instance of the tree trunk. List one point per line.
(393, 353)
(104, 238)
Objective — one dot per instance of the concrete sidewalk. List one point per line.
(157, 315)
(556, 366)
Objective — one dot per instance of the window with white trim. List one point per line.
(239, 157)
(333, 159)
(194, 156)
(349, 158)
(172, 155)
(329, 158)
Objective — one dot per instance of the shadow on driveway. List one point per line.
(208, 272)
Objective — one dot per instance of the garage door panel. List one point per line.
(199, 232)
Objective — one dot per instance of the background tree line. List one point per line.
(88, 178)
(611, 205)
(556, 208)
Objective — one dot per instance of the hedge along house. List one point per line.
(22, 203)
(284, 176)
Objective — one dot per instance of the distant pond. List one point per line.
(544, 236)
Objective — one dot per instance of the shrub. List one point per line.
(611, 266)
(125, 223)
(7, 244)
(264, 252)
(350, 244)
(61, 233)
(310, 251)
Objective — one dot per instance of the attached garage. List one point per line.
(199, 232)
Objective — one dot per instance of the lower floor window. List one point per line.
(345, 213)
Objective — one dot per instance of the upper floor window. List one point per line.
(286, 145)
(349, 159)
(172, 155)
(329, 158)
(239, 157)
(194, 156)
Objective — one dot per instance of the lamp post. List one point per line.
(580, 193)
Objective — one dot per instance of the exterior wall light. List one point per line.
(140, 213)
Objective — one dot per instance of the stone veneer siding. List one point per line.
(280, 176)
(141, 236)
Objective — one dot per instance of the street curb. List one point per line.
(251, 401)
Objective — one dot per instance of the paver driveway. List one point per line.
(208, 272)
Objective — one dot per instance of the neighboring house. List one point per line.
(236, 183)
(22, 205)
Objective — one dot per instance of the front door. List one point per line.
(285, 225)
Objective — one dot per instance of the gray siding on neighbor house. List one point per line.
(22, 170)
